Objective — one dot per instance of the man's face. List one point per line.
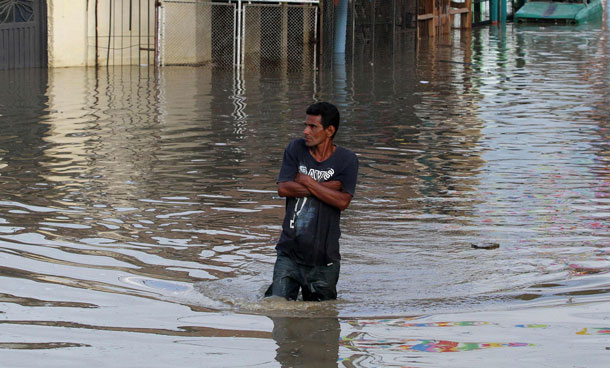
(314, 132)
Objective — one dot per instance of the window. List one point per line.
(16, 11)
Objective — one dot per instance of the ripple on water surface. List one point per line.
(126, 187)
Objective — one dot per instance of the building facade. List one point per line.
(59, 33)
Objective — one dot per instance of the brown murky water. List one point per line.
(135, 202)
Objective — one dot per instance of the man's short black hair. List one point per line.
(329, 112)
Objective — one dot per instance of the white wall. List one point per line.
(67, 33)
(72, 32)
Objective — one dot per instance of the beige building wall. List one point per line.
(117, 32)
(72, 27)
(67, 33)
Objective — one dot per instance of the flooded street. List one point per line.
(139, 213)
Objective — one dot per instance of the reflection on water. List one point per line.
(302, 342)
(130, 196)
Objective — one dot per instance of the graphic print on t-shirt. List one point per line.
(298, 207)
(317, 175)
(303, 214)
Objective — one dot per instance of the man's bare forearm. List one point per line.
(294, 189)
(333, 184)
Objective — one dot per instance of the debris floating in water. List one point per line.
(485, 246)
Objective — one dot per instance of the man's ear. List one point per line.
(330, 130)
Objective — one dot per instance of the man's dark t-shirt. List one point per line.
(310, 232)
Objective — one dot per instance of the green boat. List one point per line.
(570, 12)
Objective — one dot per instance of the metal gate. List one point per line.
(244, 34)
(278, 36)
(196, 32)
(22, 34)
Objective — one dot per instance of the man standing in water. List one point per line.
(318, 180)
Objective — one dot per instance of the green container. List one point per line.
(575, 13)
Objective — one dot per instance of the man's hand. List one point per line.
(333, 184)
(303, 179)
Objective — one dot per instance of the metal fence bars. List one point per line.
(279, 36)
(197, 32)
(124, 32)
(373, 27)
(379, 21)
(252, 35)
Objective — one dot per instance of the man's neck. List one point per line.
(323, 150)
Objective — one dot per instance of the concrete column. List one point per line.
(67, 33)
(340, 27)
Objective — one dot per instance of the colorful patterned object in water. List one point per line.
(532, 326)
(429, 346)
(594, 331)
(409, 323)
